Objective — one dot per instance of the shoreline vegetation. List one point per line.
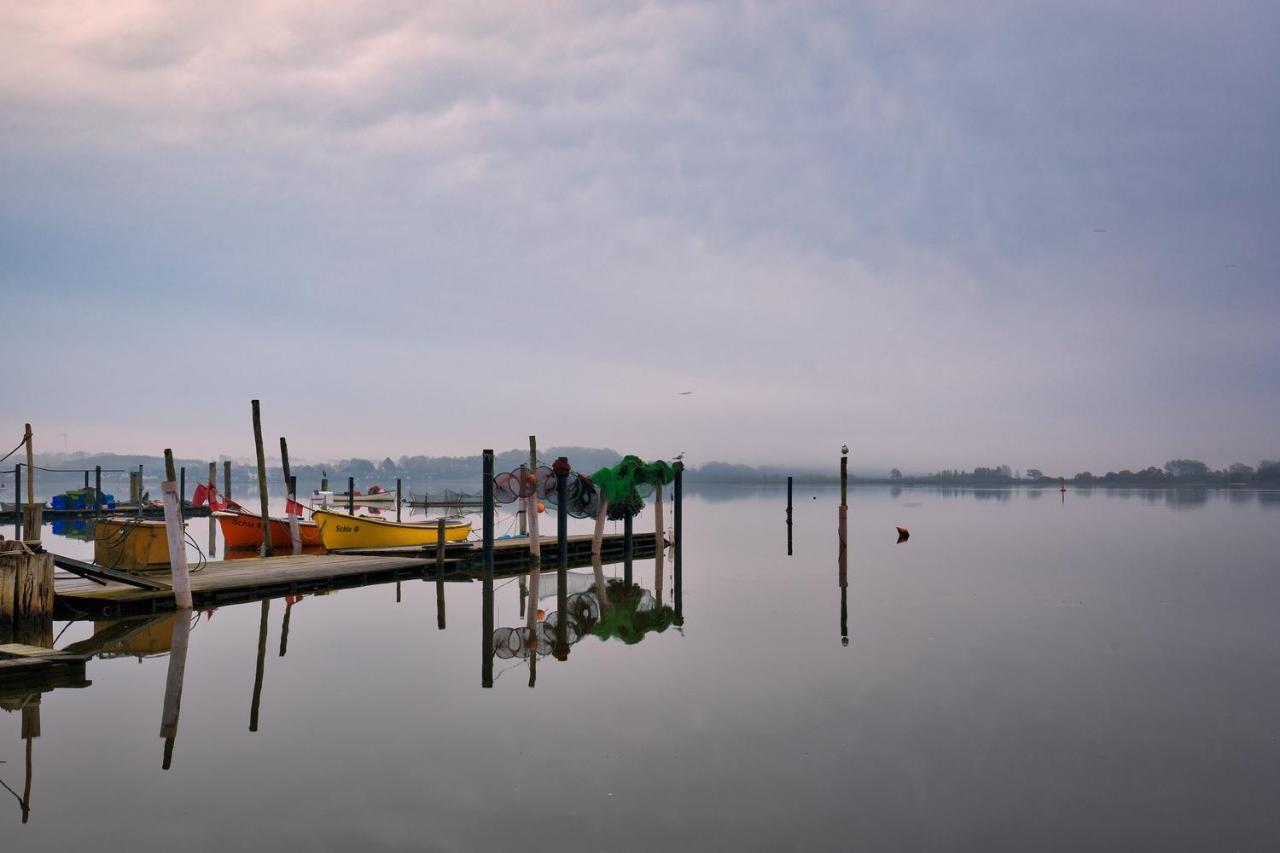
(455, 469)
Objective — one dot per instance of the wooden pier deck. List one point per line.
(251, 579)
(22, 666)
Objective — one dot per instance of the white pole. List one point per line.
(596, 545)
(177, 546)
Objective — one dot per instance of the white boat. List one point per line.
(340, 498)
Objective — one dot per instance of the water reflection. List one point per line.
(173, 684)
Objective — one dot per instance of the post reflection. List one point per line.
(261, 666)
(173, 685)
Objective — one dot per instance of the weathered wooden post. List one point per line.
(213, 524)
(843, 562)
(32, 521)
(97, 489)
(535, 545)
(284, 463)
(440, 540)
(261, 666)
(265, 550)
(351, 495)
(627, 549)
(26, 595)
(291, 504)
(226, 479)
(562, 469)
(398, 500)
(178, 643)
(678, 500)
(486, 621)
(789, 495)
(844, 498)
(140, 491)
(182, 488)
(17, 501)
(659, 541)
(177, 539)
(86, 479)
(31, 467)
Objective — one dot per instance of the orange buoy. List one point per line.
(541, 507)
(542, 614)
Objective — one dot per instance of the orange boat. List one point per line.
(244, 530)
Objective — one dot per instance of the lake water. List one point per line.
(1024, 673)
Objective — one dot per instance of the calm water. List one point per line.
(1022, 674)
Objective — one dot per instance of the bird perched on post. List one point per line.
(678, 457)
(844, 450)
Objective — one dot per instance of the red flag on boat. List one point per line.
(292, 507)
(200, 495)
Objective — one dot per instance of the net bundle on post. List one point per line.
(624, 486)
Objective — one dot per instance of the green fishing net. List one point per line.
(625, 485)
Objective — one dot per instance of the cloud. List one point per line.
(921, 227)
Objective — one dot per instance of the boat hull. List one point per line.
(130, 543)
(243, 530)
(339, 530)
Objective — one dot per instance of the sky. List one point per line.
(948, 234)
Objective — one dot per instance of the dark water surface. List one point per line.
(1022, 674)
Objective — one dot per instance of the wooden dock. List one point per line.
(49, 514)
(256, 578)
(23, 666)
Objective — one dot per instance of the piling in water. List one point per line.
(262, 480)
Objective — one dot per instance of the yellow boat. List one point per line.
(339, 530)
(130, 543)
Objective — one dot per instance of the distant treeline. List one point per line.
(419, 470)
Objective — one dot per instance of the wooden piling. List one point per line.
(262, 480)
(213, 523)
(789, 516)
(17, 501)
(284, 463)
(295, 532)
(86, 480)
(351, 495)
(486, 620)
(182, 489)
(177, 537)
(26, 592)
(628, 548)
(31, 469)
(440, 548)
(844, 481)
(399, 500)
(678, 535)
(97, 489)
(561, 469)
(659, 540)
(535, 543)
(226, 479)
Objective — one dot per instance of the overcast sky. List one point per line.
(948, 234)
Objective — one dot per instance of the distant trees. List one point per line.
(1238, 472)
(1035, 474)
(1186, 469)
(895, 474)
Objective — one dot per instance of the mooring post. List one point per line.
(678, 500)
(562, 469)
(659, 541)
(844, 498)
(486, 622)
(178, 642)
(182, 490)
(440, 542)
(86, 479)
(842, 562)
(177, 539)
(535, 543)
(262, 665)
(789, 496)
(626, 548)
(226, 479)
(351, 495)
(284, 463)
(140, 491)
(213, 488)
(17, 501)
(31, 471)
(398, 501)
(265, 549)
(97, 489)
(295, 532)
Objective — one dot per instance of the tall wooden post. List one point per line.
(627, 548)
(31, 469)
(97, 489)
(398, 500)
(86, 478)
(260, 670)
(262, 480)
(17, 501)
(844, 480)
(789, 518)
(213, 524)
(843, 563)
(440, 542)
(562, 468)
(678, 500)
(535, 545)
(844, 500)
(178, 643)
(351, 495)
(226, 479)
(284, 463)
(486, 621)
(659, 542)
(177, 538)
(295, 533)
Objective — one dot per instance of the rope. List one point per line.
(15, 450)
